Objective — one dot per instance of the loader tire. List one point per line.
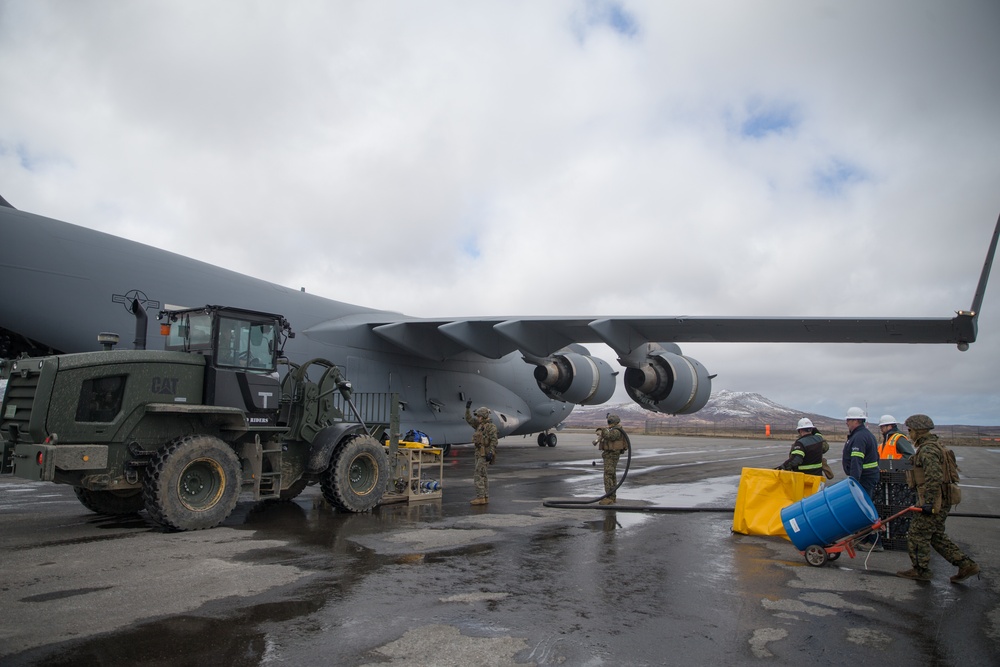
(110, 503)
(192, 483)
(357, 476)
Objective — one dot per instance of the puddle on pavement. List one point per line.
(714, 492)
(717, 492)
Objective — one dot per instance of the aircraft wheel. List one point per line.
(815, 555)
(111, 503)
(445, 449)
(542, 440)
(192, 483)
(357, 476)
(551, 440)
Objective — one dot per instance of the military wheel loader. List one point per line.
(184, 432)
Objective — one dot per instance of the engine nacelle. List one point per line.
(669, 383)
(576, 378)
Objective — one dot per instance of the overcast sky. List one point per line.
(548, 158)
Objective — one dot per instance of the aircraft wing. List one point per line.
(540, 337)
(440, 339)
(657, 376)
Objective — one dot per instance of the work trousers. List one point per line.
(610, 468)
(926, 531)
(479, 477)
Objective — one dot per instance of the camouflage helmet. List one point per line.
(919, 423)
(483, 413)
(614, 419)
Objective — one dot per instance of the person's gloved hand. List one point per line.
(489, 458)
(468, 404)
(927, 509)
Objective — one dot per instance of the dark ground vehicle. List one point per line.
(185, 431)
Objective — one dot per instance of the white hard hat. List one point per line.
(856, 413)
(887, 419)
(805, 422)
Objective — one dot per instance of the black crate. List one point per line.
(892, 477)
(892, 490)
(894, 465)
(894, 531)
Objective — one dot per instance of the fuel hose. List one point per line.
(660, 509)
(576, 504)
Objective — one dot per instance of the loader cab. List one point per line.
(242, 349)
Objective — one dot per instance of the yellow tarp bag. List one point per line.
(763, 493)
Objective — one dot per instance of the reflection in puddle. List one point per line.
(716, 491)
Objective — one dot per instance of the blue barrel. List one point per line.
(829, 515)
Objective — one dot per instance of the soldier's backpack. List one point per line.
(951, 492)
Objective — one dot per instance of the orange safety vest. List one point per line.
(887, 450)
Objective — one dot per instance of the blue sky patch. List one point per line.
(607, 14)
(764, 121)
(836, 176)
(470, 246)
(22, 155)
(28, 160)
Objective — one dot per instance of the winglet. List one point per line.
(4, 202)
(977, 300)
(970, 318)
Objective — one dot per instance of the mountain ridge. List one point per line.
(741, 409)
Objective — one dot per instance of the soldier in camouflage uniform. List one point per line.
(927, 528)
(612, 441)
(485, 441)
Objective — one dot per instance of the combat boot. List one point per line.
(606, 501)
(482, 500)
(915, 574)
(966, 570)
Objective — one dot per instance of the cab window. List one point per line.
(245, 344)
(191, 331)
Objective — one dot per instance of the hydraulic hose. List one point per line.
(661, 509)
(574, 504)
(577, 503)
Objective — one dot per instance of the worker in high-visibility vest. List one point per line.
(861, 463)
(894, 445)
(807, 452)
(861, 451)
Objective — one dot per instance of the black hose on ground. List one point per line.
(660, 509)
(576, 503)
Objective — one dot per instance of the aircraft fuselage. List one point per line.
(59, 279)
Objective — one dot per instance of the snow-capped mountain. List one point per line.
(724, 407)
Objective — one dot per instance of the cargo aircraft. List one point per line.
(59, 283)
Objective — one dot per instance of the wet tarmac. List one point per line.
(441, 582)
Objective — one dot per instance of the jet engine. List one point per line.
(575, 377)
(668, 382)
